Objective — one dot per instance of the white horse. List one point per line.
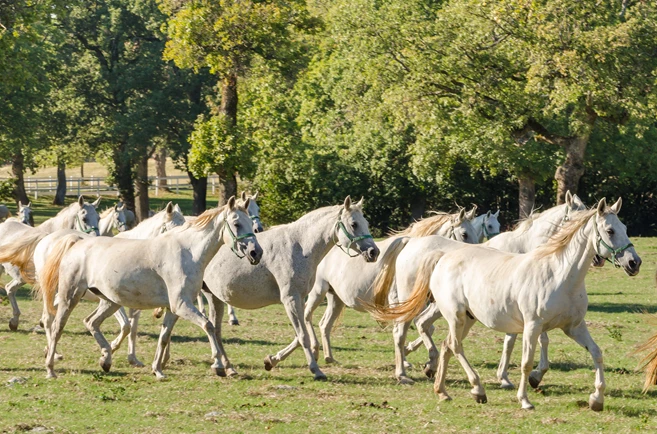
(348, 282)
(80, 215)
(24, 214)
(487, 225)
(166, 271)
(529, 234)
(110, 219)
(526, 293)
(286, 273)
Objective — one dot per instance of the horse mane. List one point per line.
(106, 212)
(426, 226)
(525, 224)
(560, 240)
(204, 219)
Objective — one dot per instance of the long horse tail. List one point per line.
(649, 362)
(21, 253)
(417, 301)
(383, 281)
(50, 274)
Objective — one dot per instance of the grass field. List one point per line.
(361, 395)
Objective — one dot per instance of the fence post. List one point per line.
(212, 185)
(177, 184)
(36, 191)
(78, 187)
(98, 186)
(157, 186)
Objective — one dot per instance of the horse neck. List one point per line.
(203, 243)
(316, 232)
(149, 228)
(105, 225)
(478, 226)
(445, 230)
(64, 220)
(576, 257)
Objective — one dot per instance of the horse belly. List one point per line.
(137, 290)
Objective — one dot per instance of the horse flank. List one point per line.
(20, 254)
(50, 273)
(418, 299)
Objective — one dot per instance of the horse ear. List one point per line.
(568, 198)
(97, 202)
(81, 201)
(461, 215)
(231, 203)
(176, 207)
(255, 196)
(246, 203)
(169, 207)
(360, 202)
(615, 208)
(347, 203)
(497, 213)
(473, 213)
(488, 214)
(578, 202)
(120, 206)
(243, 196)
(602, 206)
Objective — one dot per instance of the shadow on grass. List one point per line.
(622, 307)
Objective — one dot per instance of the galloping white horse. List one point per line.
(487, 226)
(348, 282)
(165, 271)
(529, 234)
(287, 270)
(525, 293)
(80, 215)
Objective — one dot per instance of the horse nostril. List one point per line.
(632, 263)
(253, 254)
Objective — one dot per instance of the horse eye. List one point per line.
(354, 225)
(610, 232)
(237, 225)
(465, 236)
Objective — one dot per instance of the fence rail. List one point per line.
(97, 185)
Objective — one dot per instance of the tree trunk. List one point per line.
(142, 206)
(123, 177)
(17, 169)
(161, 168)
(572, 169)
(200, 189)
(82, 169)
(417, 208)
(526, 195)
(60, 194)
(228, 177)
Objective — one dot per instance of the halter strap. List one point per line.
(614, 252)
(350, 237)
(235, 238)
(89, 230)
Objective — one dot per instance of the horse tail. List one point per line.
(417, 301)
(649, 362)
(383, 281)
(20, 253)
(50, 274)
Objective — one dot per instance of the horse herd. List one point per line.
(529, 280)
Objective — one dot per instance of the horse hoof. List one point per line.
(41, 324)
(444, 397)
(220, 371)
(407, 365)
(319, 376)
(230, 373)
(533, 381)
(330, 360)
(59, 356)
(13, 324)
(404, 380)
(269, 363)
(51, 375)
(159, 376)
(595, 405)
(481, 399)
(234, 322)
(506, 384)
(527, 406)
(428, 371)
(135, 363)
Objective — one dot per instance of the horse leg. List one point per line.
(441, 374)
(92, 322)
(294, 309)
(536, 375)
(315, 297)
(399, 331)
(581, 335)
(232, 317)
(216, 312)
(424, 323)
(185, 309)
(124, 323)
(163, 342)
(134, 315)
(459, 326)
(530, 334)
(11, 289)
(419, 341)
(67, 303)
(200, 302)
(503, 368)
(334, 308)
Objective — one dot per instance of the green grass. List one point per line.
(361, 395)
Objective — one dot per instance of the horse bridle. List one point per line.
(352, 239)
(235, 237)
(89, 230)
(614, 252)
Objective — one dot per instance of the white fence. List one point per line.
(96, 185)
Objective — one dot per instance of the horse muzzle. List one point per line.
(632, 266)
(371, 254)
(254, 254)
(598, 261)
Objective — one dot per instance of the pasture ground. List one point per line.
(360, 396)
